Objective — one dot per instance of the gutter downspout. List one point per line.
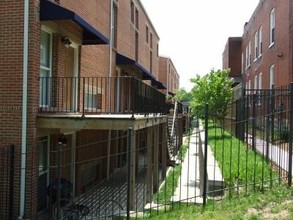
(110, 48)
(109, 90)
(24, 110)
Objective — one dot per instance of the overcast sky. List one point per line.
(193, 33)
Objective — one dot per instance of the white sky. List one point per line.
(193, 33)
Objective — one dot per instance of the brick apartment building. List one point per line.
(71, 86)
(171, 79)
(262, 57)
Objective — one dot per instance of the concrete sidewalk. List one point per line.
(275, 154)
(188, 185)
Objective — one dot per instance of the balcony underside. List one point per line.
(75, 122)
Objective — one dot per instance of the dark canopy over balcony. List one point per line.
(50, 11)
(123, 60)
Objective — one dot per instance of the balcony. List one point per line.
(99, 95)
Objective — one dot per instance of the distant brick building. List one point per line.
(266, 48)
(168, 74)
(71, 80)
(232, 58)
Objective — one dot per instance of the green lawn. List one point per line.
(265, 198)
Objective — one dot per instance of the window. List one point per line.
(136, 18)
(43, 172)
(272, 76)
(260, 81)
(147, 34)
(259, 87)
(246, 57)
(132, 12)
(248, 86)
(45, 68)
(43, 155)
(151, 61)
(157, 50)
(136, 46)
(93, 98)
(260, 41)
(249, 53)
(272, 27)
(256, 50)
(255, 83)
(151, 40)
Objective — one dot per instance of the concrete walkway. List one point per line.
(188, 185)
(275, 154)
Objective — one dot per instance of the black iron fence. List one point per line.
(98, 95)
(130, 174)
(7, 183)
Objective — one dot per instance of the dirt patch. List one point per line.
(267, 212)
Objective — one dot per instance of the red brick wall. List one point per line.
(126, 36)
(11, 85)
(283, 64)
(168, 74)
(232, 56)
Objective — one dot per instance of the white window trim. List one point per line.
(260, 42)
(93, 90)
(272, 26)
(272, 76)
(48, 31)
(256, 50)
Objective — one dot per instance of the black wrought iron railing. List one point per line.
(99, 95)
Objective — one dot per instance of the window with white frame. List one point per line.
(45, 68)
(260, 46)
(272, 26)
(272, 76)
(246, 57)
(256, 50)
(259, 87)
(255, 83)
(260, 81)
(249, 53)
(93, 97)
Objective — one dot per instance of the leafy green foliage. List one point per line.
(182, 95)
(214, 89)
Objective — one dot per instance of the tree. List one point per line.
(214, 89)
(182, 95)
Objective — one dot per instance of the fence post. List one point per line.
(205, 155)
(272, 114)
(11, 181)
(59, 145)
(134, 93)
(128, 171)
(253, 121)
(83, 96)
(290, 136)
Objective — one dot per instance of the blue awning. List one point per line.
(50, 11)
(123, 60)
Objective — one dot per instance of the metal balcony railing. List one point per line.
(99, 95)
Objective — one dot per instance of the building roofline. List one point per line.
(148, 18)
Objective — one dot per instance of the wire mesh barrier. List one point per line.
(134, 173)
